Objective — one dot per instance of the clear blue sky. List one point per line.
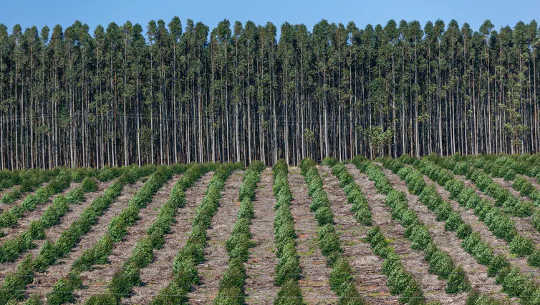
(94, 12)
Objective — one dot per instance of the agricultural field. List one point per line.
(435, 230)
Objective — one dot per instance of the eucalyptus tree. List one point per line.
(237, 92)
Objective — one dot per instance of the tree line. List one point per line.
(173, 93)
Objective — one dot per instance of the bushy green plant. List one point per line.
(457, 281)
(521, 246)
(63, 290)
(329, 243)
(287, 271)
(184, 265)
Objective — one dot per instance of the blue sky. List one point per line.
(94, 12)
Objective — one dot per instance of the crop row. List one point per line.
(497, 166)
(128, 276)
(440, 262)
(13, 248)
(399, 281)
(288, 270)
(494, 217)
(505, 166)
(231, 287)
(10, 217)
(511, 280)
(63, 289)
(514, 283)
(185, 274)
(341, 276)
(503, 198)
(29, 180)
(9, 178)
(15, 283)
(530, 164)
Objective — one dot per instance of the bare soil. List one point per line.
(95, 281)
(498, 245)
(413, 260)
(449, 242)
(23, 223)
(54, 232)
(370, 281)
(159, 273)
(314, 284)
(43, 282)
(217, 258)
(523, 224)
(262, 261)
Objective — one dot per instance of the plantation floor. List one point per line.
(159, 273)
(43, 282)
(370, 281)
(95, 281)
(52, 233)
(413, 260)
(24, 222)
(314, 284)
(449, 242)
(498, 245)
(523, 224)
(216, 255)
(262, 261)
(261, 265)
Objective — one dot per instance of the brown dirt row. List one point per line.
(498, 245)
(43, 282)
(413, 260)
(262, 261)
(315, 274)
(23, 223)
(450, 243)
(216, 255)
(96, 280)
(53, 232)
(159, 273)
(370, 281)
(523, 224)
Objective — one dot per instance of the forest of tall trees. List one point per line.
(186, 93)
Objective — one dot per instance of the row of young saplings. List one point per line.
(185, 271)
(341, 272)
(489, 212)
(397, 202)
(514, 283)
(26, 181)
(13, 287)
(11, 249)
(503, 197)
(98, 254)
(61, 179)
(507, 166)
(510, 169)
(440, 262)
